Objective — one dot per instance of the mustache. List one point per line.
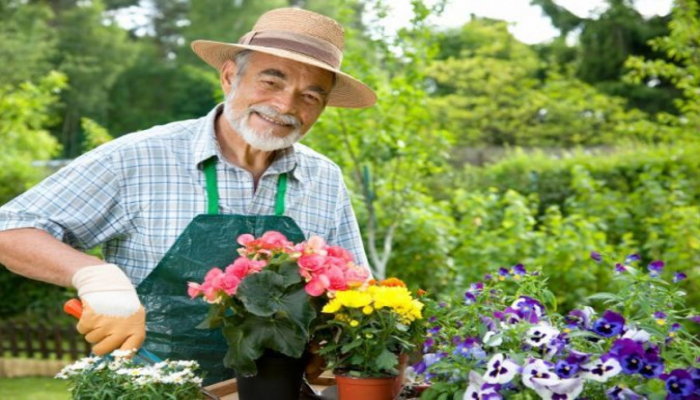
(270, 112)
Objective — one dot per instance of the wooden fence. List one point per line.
(41, 341)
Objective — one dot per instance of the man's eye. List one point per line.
(311, 98)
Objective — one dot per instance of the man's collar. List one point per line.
(206, 146)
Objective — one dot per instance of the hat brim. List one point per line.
(348, 92)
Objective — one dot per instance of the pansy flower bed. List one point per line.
(505, 339)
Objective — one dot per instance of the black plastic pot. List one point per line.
(279, 377)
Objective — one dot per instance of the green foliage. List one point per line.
(95, 135)
(551, 212)
(494, 93)
(92, 51)
(27, 42)
(683, 70)
(388, 149)
(115, 377)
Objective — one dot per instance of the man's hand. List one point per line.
(113, 317)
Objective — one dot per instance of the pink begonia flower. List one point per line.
(356, 275)
(274, 240)
(312, 262)
(230, 284)
(193, 289)
(243, 267)
(315, 245)
(245, 238)
(336, 279)
(317, 285)
(212, 274)
(339, 252)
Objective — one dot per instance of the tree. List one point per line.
(387, 150)
(682, 46)
(605, 43)
(494, 92)
(26, 42)
(92, 53)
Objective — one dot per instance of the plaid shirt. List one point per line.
(137, 193)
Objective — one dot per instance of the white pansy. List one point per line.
(500, 369)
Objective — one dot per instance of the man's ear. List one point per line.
(227, 76)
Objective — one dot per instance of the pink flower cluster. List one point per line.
(327, 268)
(323, 267)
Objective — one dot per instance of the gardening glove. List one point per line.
(113, 317)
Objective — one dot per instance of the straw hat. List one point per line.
(298, 35)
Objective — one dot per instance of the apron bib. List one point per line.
(208, 241)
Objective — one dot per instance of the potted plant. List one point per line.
(503, 339)
(367, 335)
(118, 376)
(265, 303)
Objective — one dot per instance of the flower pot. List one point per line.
(353, 388)
(279, 377)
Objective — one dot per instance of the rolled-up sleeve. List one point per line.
(78, 205)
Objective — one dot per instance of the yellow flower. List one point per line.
(367, 310)
(354, 323)
(353, 298)
(332, 306)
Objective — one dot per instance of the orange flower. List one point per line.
(372, 282)
(392, 282)
(421, 292)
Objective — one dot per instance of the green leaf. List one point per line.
(248, 340)
(213, 319)
(387, 360)
(290, 273)
(604, 297)
(355, 343)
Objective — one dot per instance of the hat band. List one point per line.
(306, 45)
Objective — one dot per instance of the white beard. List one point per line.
(264, 140)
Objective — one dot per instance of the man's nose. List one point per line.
(285, 102)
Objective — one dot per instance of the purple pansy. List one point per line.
(568, 367)
(488, 277)
(469, 298)
(528, 309)
(500, 369)
(596, 256)
(536, 368)
(679, 276)
(632, 258)
(519, 269)
(653, 364)
(655, 267)
(558, 389)
(630, 355)
(601, 370)
(429, 342)
(609, 325)
(619, 393)
(679, 384)
(503, 273)
(540, 335)
(434, 330)
(620, 268)
(695, 318)
(579, 318)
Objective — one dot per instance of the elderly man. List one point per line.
(186, 190)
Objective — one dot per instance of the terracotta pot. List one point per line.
(353, 388)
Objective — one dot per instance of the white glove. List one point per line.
(113, 317)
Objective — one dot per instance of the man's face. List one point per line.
(276, 101)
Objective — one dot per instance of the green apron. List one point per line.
(208, 241)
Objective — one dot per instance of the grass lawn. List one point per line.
(33, 389)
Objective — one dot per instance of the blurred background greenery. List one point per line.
(482, 152)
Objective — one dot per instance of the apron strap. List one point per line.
(213, 192)
(281, 191)
(212, 187)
